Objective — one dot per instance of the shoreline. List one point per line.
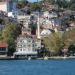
(45, 58)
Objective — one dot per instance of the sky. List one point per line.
(36, 0)
(33, 0)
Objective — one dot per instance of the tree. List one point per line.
(49, 1)
(71, 50)
(57, 42)
(69, 40)
(72, 6)
(1, 38)
(1, 21)
(9, 35)
(21, 4)
(72, 1)
(62, 3)
(35, 6)
(54, 42)
(46, 4)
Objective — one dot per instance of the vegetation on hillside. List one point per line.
(39, 5)
(56, 42)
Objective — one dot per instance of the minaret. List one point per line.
(38, 28)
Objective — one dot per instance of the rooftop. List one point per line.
(3, 44)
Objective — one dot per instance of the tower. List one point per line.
(38, 28)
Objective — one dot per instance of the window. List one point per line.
(29, 45)
(20, 49)
(20, 40)
(24, 45)
(23, 49)
(35, 44)
(23, 41)
(19, 45)
(2, 49)
(29, 40)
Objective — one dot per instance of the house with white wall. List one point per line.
(25, 46)
(9, 7)
(4, 6)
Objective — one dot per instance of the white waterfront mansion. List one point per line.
(25, 46)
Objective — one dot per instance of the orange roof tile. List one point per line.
(3, 44)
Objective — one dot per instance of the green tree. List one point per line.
(49, 1)
(59, 41)
(1, 21)
(72, 6)
(22, 3)
(69, 38)
(35, 6)
(62, 3)
(9, 35)
(1, 38)
(72, 1)
(54, 42)
(71, 50)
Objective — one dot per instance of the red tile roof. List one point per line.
(3, 45)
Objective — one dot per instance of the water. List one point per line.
(37, 67)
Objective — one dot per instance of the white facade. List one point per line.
(25, 19)
(4, 6)
(45, 32)
(46, 14)
(48, 20)
(47, 24)
(8, 7)
(25, 46)
(50, 15)
(53, 15)
(10, 14)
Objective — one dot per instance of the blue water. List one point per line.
(37, 67)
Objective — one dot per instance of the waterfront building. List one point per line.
(25, 46)
(3, 48)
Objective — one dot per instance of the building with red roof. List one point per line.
(3, 48)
